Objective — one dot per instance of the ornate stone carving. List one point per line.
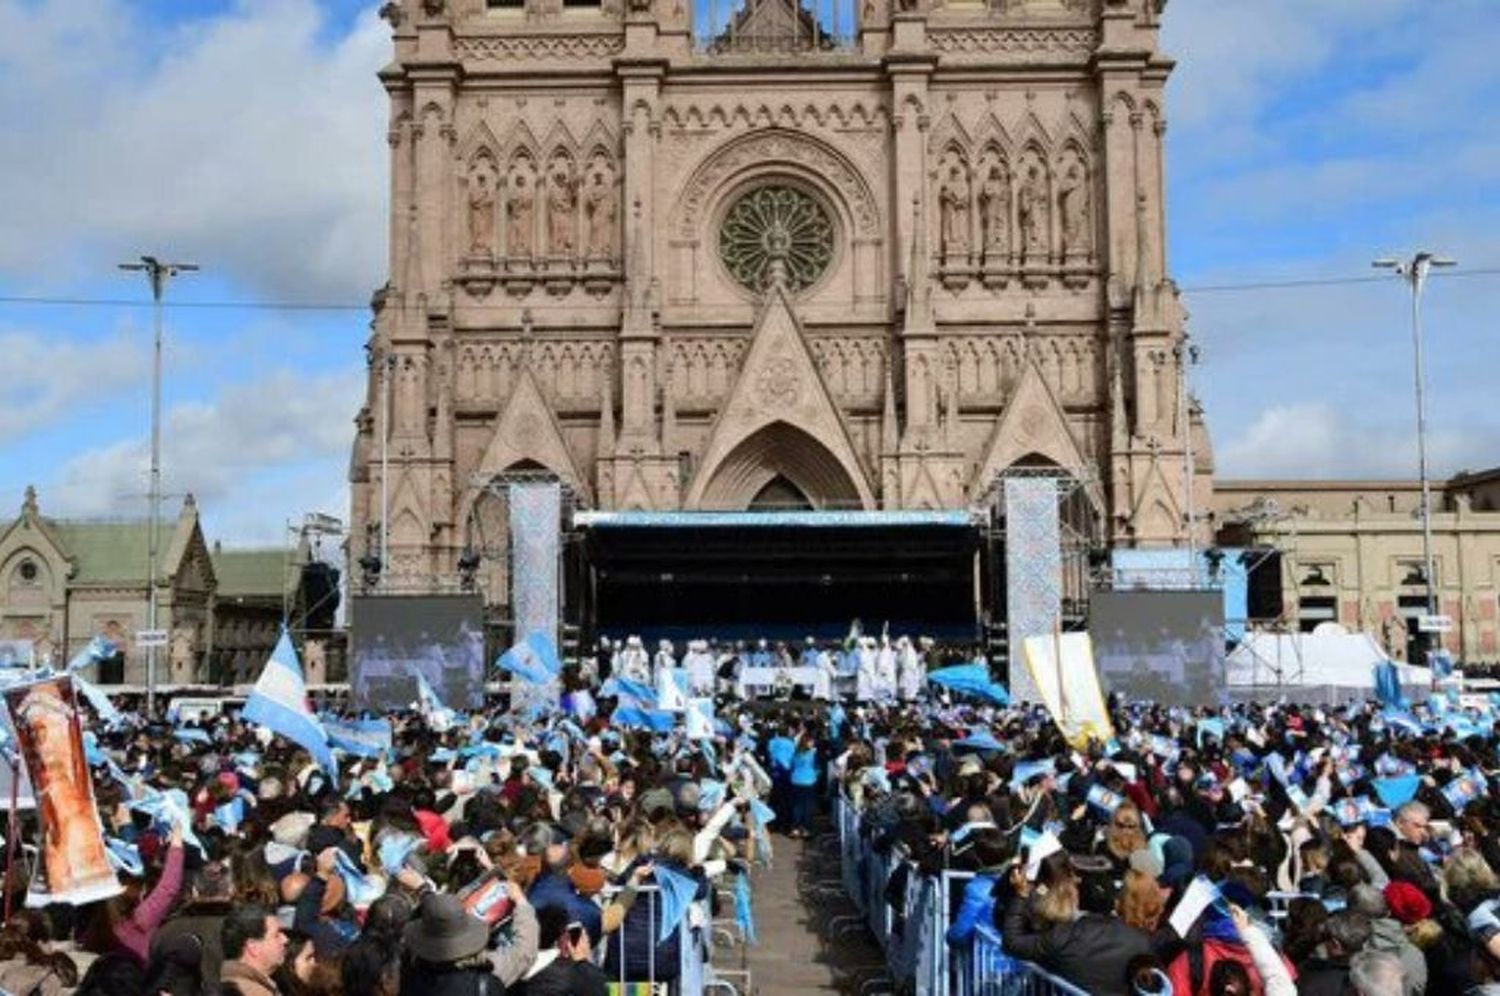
(562, 203)
(534, 47)
(1031, 212)
(1030, 42)
(1073, 207)
(779, 385)
(953, 210)
(776, 225)
(520, 209)
(994, 211)
(601, 209)
(773, 146)
(482, 206)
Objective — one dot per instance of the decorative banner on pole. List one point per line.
(74, 866)
(535, 550)
(1033, 572)
(1062, 668)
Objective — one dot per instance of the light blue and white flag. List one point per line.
(192, 735)
(395, 848)
(124, 857)
(534, 659)
(230, 815)
(744, 912)
(279, 703)
(110, 716)
(359, 737)
(676, 891)
(699, 719)
(360, 889)
(98, 649)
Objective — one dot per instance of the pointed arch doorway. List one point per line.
(780, 466)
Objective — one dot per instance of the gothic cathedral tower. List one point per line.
(713, 255)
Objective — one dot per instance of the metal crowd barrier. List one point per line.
(912, 928)
(695, 973)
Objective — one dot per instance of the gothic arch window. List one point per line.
(776, 227)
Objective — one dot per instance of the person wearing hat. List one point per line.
(445, 951)
(562, 966)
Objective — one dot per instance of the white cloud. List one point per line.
(48, 376)
(242, 141)
(260, 452)
(1316, 440)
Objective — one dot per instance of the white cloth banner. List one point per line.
(1062, 668)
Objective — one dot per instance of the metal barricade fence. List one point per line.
(691, 968)
(912, 931)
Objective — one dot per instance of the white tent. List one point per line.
(1330, 665)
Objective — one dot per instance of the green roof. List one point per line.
(257, 572)
(110, 552)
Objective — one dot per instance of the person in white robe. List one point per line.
(885, 671)
(913, 671)
(825, 675)
(665, 659)
(866, 678)
(700, 668)
(634, 664)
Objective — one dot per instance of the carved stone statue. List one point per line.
(953, 205)
(518, 209)
(1031, 213)
(601, 210)
(481, 213)
(1073, 204)
(561, 201)
(994, 211)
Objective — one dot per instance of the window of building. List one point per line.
(581, 3)
(506, 4)
(1313, 610)
(27, 571)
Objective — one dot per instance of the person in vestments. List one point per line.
(700, 667)
(866, 679)
(634, 665)
(666, 658)
(885, 671)
(913, 674)
(809, 653)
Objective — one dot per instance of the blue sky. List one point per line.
(1304, 140)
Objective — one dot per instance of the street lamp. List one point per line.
(158, 273)
(1414, 271)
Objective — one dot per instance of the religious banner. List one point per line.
(1061, 667)
(535, 549)
(1033, 571)
(74, 866)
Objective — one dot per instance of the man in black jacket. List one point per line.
(562, 965)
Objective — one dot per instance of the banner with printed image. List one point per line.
(74, 866)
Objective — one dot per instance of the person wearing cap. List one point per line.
(563, 966)
(445, 951)
(1387, 934)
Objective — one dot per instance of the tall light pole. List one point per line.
(158, 273)
(1414, 271)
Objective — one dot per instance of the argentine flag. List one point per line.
(534, 659)
(279, 703)
(437, 715)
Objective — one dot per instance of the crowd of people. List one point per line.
(1246, 851)
(1258, 849)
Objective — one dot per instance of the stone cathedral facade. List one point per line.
(864, 254)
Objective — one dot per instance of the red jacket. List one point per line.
(1180, 971)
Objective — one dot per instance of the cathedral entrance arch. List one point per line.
(779, 452)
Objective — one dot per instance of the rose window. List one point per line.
(776, 232)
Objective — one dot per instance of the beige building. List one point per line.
(67, 581)
(63, 582)
(833, 256)
(1352, 554)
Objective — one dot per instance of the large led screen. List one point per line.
(396, 637)
(1160, 646)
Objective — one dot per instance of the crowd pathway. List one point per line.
(803, 947)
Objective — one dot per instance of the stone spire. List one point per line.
(28, 504)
